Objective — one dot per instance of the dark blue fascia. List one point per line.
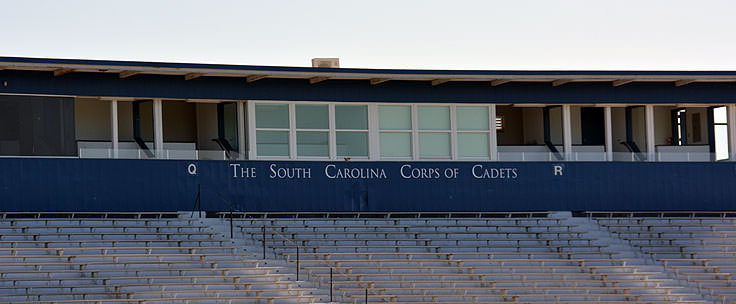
(233, 88)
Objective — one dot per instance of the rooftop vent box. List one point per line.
(326, 62)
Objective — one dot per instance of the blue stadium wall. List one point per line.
(53, 184)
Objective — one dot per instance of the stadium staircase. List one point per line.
(135, 258)
(535, 257)
(696, 248)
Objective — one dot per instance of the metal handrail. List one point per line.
(390, 215)
(82, 215)
(198, 201)
(297, 246)
(660, 214)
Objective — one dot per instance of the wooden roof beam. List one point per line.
(317, 79)
(683, 82)
(252, 78)
(620, 82)
(191, 76)
(375, 81)
(437, 82)
(62, 72)
(126, 74)
(498, 82)
(560, 82)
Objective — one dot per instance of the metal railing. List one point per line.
(109, 153)
(656, 214)
(91, 215)
(386, 215)
(517, 156)
(198, 202)
(298, 247)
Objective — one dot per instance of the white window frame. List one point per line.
(373, 131)
(456, 131)
(454, 152)
(331, 130)
(450, 131)
(253, 132)
(412, 131)
(334, 130)
(294, 130)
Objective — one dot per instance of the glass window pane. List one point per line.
(312, 117)
(434, 145)
(394, 117)
(351, 117)
(311, 144)
(472, 118)
(472, 145)
(395, 144)
(272, 116)
(230, 124)
(434, 118)
(352, 143)
(272, 143)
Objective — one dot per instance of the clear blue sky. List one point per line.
(510, 34)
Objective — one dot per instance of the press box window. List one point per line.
(312, 130)
(434, 131)
(351, 135)
(472, 131)
(335, 131)
(272, 129)
(394, 123)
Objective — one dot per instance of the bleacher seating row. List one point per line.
(535, 257)
(133, 258)
(481, 259)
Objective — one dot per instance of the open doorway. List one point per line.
(591, 126)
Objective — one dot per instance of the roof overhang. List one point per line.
(192, 71)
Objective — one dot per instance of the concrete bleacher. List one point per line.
(457, 258)
(532, 257)
(134, 258)
(697, 248)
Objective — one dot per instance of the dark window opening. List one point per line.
(592, 128)
(37, 126)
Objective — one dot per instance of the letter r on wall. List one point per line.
(558, 170)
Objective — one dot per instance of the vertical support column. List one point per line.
(454, 154)
(414, 133)
(731, 116)
(331, 134)
(567, 132)
(492, 134)
(251, 130)
(158, 128)
(608, 127)
(374, 149)
(711, 128)
(649, 121)
(241, 130)
(292, 131)
(114, 137)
